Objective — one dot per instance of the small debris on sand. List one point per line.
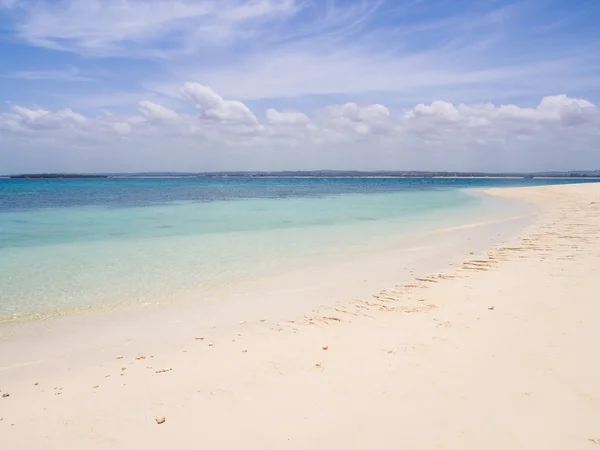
(5, 395)
(36, 383)
(198, 338)
(243, 322)
(119, 357)
(491, 308)
(168, 369)
(210, 345)
(326, 347)
(161, 420)
(95, 387)
(263, 320)
(138, 357)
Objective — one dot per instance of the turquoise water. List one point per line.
(68, 245)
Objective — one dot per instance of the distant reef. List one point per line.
(318, 174)
(57, 175)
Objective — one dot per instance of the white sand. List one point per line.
(497, 353)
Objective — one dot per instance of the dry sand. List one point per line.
(499, 352)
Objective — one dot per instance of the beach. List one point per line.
(489, 343)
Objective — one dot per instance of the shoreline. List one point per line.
(400, 349)
(493, 219)
(407, 256)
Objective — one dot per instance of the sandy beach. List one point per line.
(495, 349)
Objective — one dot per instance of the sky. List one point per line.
(210, 85)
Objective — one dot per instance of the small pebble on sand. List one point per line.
(160, 420)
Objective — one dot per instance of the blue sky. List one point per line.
(111, 85)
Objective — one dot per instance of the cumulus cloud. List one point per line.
(290, 118)
(439, 110)
(552, 110)
(558, 122)
(217, 118)
(211, 106)
(157, 113)
(26, 119)
(361, 120)
(63, 124)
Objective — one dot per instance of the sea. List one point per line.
(74, 245)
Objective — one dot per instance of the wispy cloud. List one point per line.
(341, 74)
(256, 49)
(138, 28)
(68, 74)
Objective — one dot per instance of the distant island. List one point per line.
(320, 174)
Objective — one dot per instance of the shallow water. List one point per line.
(94, 243)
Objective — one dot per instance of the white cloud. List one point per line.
(157, 113)
(439, 110)
(370, 134)
(290, 118)
(212, 106)
(571, 111)
(361, 120)
(218, 117)
(558, 102)
(64, 124)
(551, 111)
(26, 119)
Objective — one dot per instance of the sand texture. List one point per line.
(499, 351)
